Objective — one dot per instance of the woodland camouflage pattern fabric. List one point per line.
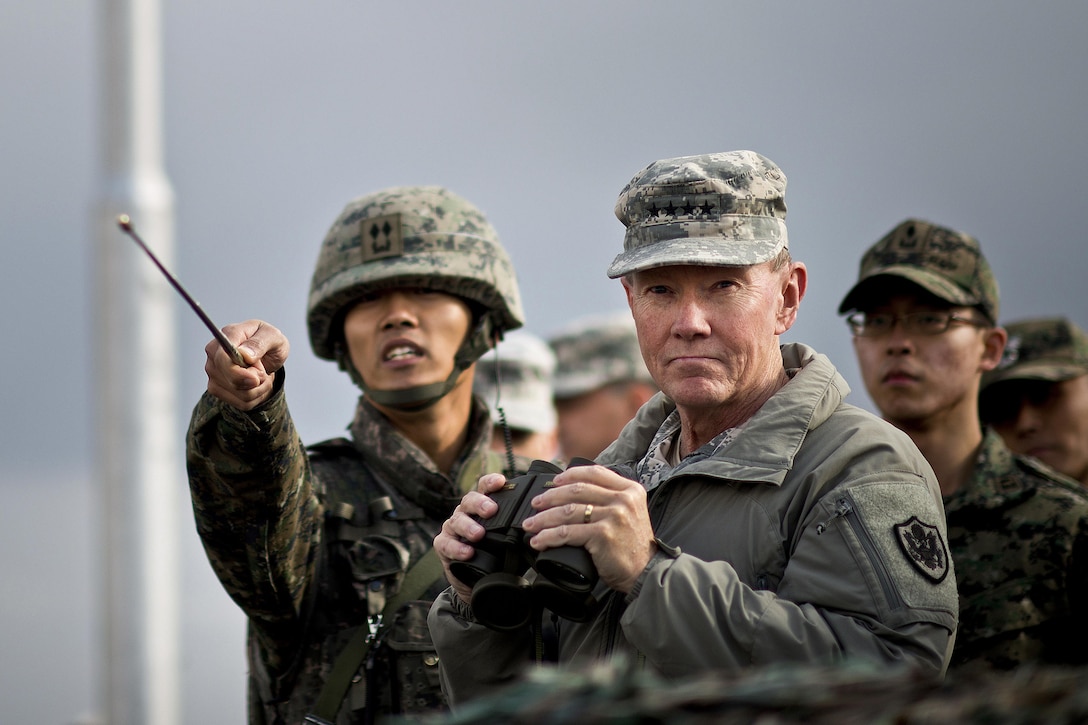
(942, 261)
(1018, 536)
(1051, 349)
(299, 540)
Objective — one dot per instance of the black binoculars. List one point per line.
(502, 598)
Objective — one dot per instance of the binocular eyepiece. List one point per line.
(502, 598)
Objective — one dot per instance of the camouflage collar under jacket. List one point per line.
(765, 449)
(403, 465)
(1000, 477)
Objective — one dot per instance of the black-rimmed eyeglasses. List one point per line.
(864, 324)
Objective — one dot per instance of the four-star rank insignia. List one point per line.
(381, 237)
(924, 548)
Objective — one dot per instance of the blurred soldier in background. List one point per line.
(748, 515)
(600, 382)
(923, 316)
(1037, 396)
(328, 549)
(515, 380)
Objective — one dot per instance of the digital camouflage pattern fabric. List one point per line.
(411, 236)
(309, 543)
(942, 261)
(1050, 349)
(724, 209)
(596, 351)
(1018, 535)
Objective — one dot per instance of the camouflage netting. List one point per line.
(846, 695)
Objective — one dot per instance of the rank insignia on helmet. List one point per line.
(381, 237)
(923, 547)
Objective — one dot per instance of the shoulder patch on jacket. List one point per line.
(924, 548)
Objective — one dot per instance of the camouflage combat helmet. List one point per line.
(412, 236)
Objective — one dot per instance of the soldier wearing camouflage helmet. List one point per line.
(747, 515)
(600, 381)
(924, 319)
(1037, 396)
(326, 548)
(515, 380)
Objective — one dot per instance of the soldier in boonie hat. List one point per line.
(1037, 396)
(600, 381)
(946, 263)
(724, 209)
(515, 380)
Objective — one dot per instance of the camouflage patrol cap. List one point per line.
(523, 385)
(1051, 349)
(942, 261)
(723, 209)
(411, 236)
(596, 351)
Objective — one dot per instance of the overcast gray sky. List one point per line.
(972, 115)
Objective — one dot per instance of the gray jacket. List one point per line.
(817, 535)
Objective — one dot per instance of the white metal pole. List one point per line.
(138, 460)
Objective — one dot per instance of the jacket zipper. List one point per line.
(844, 509)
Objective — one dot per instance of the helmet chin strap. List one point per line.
(422, 397)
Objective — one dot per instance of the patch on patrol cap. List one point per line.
(924, 548)
(723, 209)
(1050, 349)
(525, 366)
(942, 261)
(595, 351)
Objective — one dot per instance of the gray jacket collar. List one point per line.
(765, 449)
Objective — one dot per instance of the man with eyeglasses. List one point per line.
(923, 314)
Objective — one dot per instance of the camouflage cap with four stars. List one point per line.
(1051, 349)
(942, 261)
(723, 209)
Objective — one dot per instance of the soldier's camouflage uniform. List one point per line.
(1018, 534)
(313, 542)
(271, 515)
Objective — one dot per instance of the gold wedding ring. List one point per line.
(588, 513)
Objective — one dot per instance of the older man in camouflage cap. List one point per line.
(1037, 396)
(327, 549)
(600, 382)
(923, 315)
(747, 515)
